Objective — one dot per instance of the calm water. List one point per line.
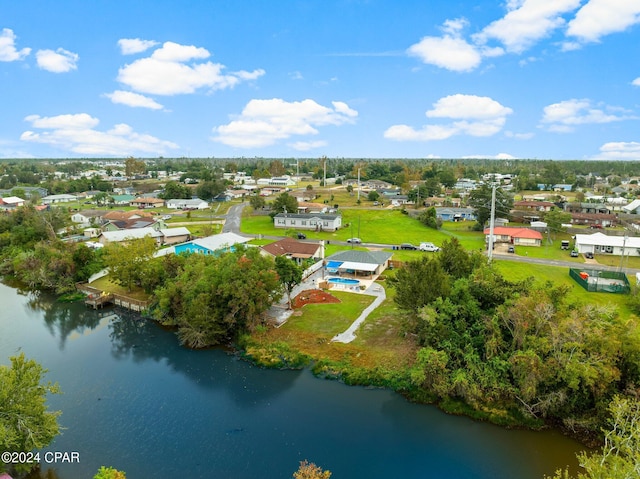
(134, 399)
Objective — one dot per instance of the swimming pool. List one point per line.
(343, 281)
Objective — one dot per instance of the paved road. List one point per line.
(232, 224)
(233, 217)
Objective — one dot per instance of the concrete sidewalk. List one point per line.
(349, 335)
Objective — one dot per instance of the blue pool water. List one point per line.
(344, 281)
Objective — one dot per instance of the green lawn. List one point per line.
(330, 319)
(560, 276)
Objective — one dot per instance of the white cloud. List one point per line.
(527, 22)
(636, 82)
(598, 18)
(129, 46)
(307, 145)
(474, 116)
(619, 150)
(449, 51)
(8, 51)
(564, 116)
(59, 61)
(499, 156)
(133, 99)
(265, 122)
(167, 72)
(76, 133)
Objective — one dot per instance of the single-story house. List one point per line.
(190, 204)
(123, 199)
(10, 202)
(147, 202)
(119, 236)
(516, 236)
(456, 214)
(175, 235)
(214, 244)
(28, 191)
(600, 243)
(632, 208)
(308, 221)
(533, 205)
(399, 200)
(86, 217)
(601, 219)
(116, 215)
(357, 263)
(52, 199)
(276, 181)
(294, 249)
(309, 207)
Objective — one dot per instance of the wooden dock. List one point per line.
(97, 299)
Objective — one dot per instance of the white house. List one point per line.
(276, 181)
(301, 221)
(183, 204)
(51, 199)
(600, 243)
(632, 208)
(9, 202)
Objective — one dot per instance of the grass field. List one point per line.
(560, 276)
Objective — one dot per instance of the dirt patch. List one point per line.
(313, 296)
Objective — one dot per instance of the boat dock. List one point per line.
(98, 299)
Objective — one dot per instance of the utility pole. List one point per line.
(492, 221)
(358, 184)
(624, 243)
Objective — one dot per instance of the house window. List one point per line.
(303, 223)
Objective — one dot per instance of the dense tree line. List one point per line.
(31, 252)
(212, 299)
(516, 346)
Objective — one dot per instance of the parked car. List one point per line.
(574, 253)
(301, 236)
(408, 246)
(428, 247)
(511, 249)
(354, 240)
(588, 255)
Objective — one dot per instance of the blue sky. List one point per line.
(548, 79)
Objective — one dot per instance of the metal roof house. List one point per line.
(600, 243)
(214, 244)
(357, 263)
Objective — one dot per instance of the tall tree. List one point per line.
(127, 261)
(174, 190)
(480, 201)
(419, 283)
(555, 219)
(283, 202)
(209, 189)
(26, 423)
(290, 275)
(213, 299)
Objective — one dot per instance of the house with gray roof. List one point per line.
(357, 263)
(308, 221)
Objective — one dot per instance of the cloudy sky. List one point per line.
(550, 79)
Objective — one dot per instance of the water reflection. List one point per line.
(139, 339)
(63, 319)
